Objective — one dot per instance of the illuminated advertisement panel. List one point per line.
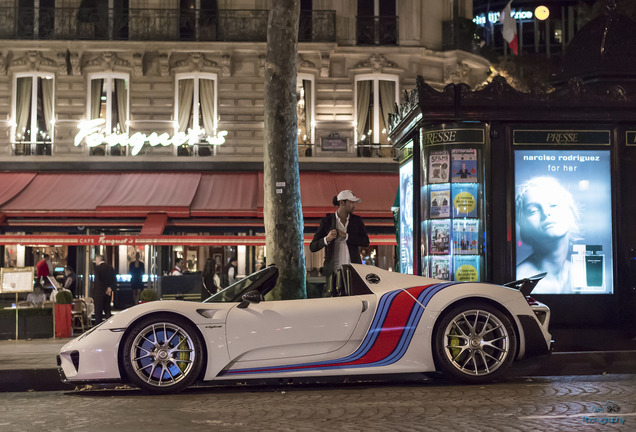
(564, 220)
(406, 218)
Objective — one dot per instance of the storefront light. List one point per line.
(542, 13)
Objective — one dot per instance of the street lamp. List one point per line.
(542, 13)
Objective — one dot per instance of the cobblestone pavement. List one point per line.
(518, 404)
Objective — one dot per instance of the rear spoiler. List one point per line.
(526, 285)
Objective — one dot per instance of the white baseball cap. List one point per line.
(347, 195)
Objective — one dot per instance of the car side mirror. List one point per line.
(250, 297)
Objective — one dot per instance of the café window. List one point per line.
(196, 113)
(108, 97)
(305, 111)
(375, 98)
(33, 115)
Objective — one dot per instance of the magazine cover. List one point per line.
(440, 201)
(465, 200)
(465, 236)
(439, 167)
(466, 268)
(440, 236)
(440, 267)
(464, 165)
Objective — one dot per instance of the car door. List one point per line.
(272, 330)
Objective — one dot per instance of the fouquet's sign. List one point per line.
(93, 133)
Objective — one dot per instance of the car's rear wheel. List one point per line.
(474, 342)
(163, 354)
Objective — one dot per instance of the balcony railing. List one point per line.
(460, 34)
(155, 24)
(377, 30)
(27, 148)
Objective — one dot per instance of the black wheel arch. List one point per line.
(120, 350)
(470, 300)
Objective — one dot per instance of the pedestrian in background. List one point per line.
(342, 234)
(178, 268)
(70, 279)
(210, 281)
(229, 272)
(103, 287)
(136, 269)
(44, 269)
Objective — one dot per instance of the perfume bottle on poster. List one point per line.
(588, 268)
(594, 266)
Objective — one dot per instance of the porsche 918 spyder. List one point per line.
(373, 322)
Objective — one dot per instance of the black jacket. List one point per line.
(357, 237)
(105, 276)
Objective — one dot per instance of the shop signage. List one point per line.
(561, 137)
(453, 136)
(493, 17)
(630, 138)
(334, 142)
(140, 240)
(93, 133)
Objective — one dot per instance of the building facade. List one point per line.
(137, 126)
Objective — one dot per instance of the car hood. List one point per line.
(199, 313)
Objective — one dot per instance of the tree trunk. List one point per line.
(283, 210)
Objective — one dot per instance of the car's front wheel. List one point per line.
(474, 342)
(163, 354)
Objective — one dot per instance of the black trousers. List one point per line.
(102, 307)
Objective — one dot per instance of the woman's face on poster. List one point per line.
(547, 214)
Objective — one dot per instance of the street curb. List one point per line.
(558, 364)
(23, 380)
(577, 363)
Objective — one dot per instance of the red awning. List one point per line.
(226, 194)
(181, 195)
(12, 184)
(138, 194)
(317, 190)
(57, 194)
(316, 193)
(154, 224)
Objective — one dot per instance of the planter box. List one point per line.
(32, 323)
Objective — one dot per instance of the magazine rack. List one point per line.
(447, 197)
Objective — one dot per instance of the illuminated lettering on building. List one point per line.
(92, 132)
(493, 17)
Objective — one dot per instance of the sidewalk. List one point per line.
(31, 364)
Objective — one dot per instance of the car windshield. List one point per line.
(263, 281)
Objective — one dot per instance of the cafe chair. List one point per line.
(90, 309)
(79, 315)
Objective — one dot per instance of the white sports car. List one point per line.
(375, 322)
